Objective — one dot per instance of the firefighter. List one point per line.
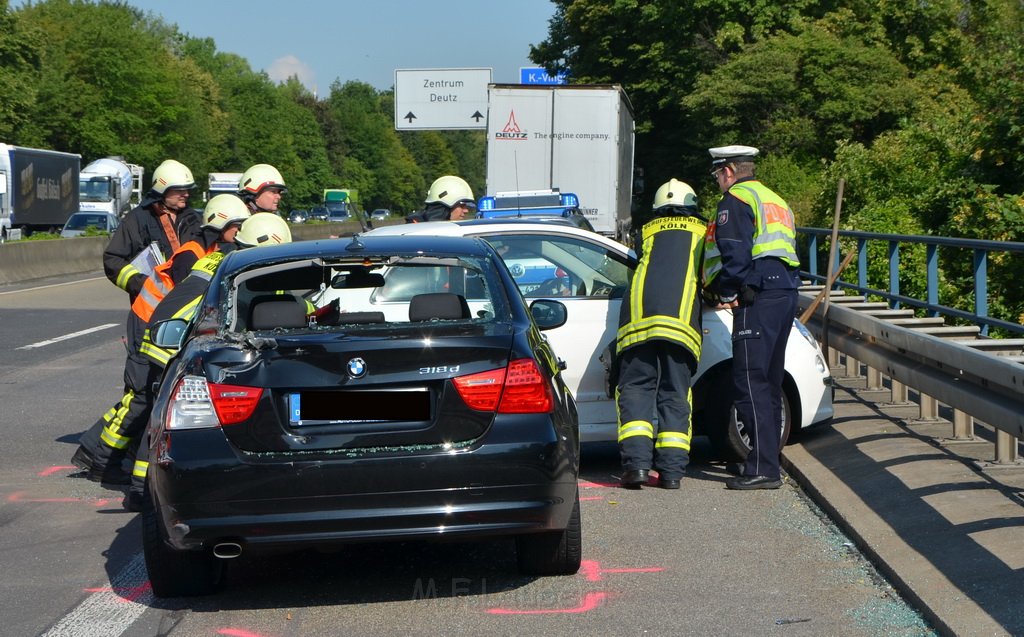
(751, 266)
(162, 217)
(261, 187)
(449, 199)
(260, 229)
(103, 448)
(658, 341)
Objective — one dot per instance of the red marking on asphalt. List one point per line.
(53, 470)
(19, 496)
(237, 632)
(592, 570)
(590, 602)
(127, 593)
(587, 484)
(592, 497)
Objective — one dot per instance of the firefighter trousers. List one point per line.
(654, 381)
(115, 435)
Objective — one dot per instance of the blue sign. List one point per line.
(537, 75)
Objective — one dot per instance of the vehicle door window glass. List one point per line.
(548, 265)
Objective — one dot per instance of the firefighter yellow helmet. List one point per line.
(224, 210)
(450, 190)
(263, 229)
(675, 193)
(172, 174)
(259, 177)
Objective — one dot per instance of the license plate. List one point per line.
(342, 407)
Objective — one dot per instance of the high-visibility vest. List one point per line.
(160, 283)
(774, 228)
(663, 301)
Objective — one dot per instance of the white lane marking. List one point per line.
(108, 612)
(67, 336)
(52, 285)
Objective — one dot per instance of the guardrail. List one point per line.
(975, 383)
(980, 257)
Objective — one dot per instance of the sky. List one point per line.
(365, 40)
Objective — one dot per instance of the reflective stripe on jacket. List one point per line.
(160, 283)
(774, 228)
(663, 301)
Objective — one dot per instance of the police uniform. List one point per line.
(750, 256)
(658, 344)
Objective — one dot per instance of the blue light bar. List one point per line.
(570, 200)
(485, 203)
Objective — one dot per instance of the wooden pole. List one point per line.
(831, 276)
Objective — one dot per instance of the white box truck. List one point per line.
(571, 138)
(109, 185)
(38, 189)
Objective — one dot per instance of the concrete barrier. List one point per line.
(23, 261)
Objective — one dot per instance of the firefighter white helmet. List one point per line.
(675, 193)
(450, 190)
(172, 174)
(259, 177)
(224, 210)
(263, 229)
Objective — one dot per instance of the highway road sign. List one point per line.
(441, 99)
(537, 75)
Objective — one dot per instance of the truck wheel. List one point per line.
(176, 573)
(553, 553)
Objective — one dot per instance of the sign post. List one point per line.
(441, 99)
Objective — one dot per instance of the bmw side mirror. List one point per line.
(548, 314)
(169, 334)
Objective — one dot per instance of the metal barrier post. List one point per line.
(929, 408)
(963, 426)
(1006, 448)
(874, 379)
(852, 367)
(899, 392)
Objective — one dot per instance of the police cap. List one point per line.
(730, 154)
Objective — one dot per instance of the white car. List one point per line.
(589, 273)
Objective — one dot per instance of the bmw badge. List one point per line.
(357, 368)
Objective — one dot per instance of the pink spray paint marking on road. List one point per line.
(592, 570)
(589, 603)
(126, 593)
(52, 470)
(237, 632)
(19, 496)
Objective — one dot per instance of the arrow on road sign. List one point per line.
(409, 116)
(477, 116)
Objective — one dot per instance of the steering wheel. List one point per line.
(556, 286)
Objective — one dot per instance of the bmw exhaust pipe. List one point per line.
(227, 550)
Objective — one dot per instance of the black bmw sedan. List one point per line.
(359, 389)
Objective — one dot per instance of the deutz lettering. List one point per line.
(510, 135)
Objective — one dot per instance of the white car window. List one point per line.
(552, 266)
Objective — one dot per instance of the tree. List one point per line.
(20, 67)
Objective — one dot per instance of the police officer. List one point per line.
(261, 187)
(163, 216)
(449, 199)
(260, 229)
(103, 448)
(750, 265)
(658, 341)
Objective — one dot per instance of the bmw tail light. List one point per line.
(521, 388)
(481, 391)
(526, 389)
(234, 403)
(198, 404)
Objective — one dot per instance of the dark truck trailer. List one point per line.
(38, 188)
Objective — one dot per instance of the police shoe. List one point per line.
(634, 478)
(668, 483)
(746, 483)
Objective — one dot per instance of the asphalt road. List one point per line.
(698, 561)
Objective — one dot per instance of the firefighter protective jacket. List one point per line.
(663, 300)
(138, 229)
